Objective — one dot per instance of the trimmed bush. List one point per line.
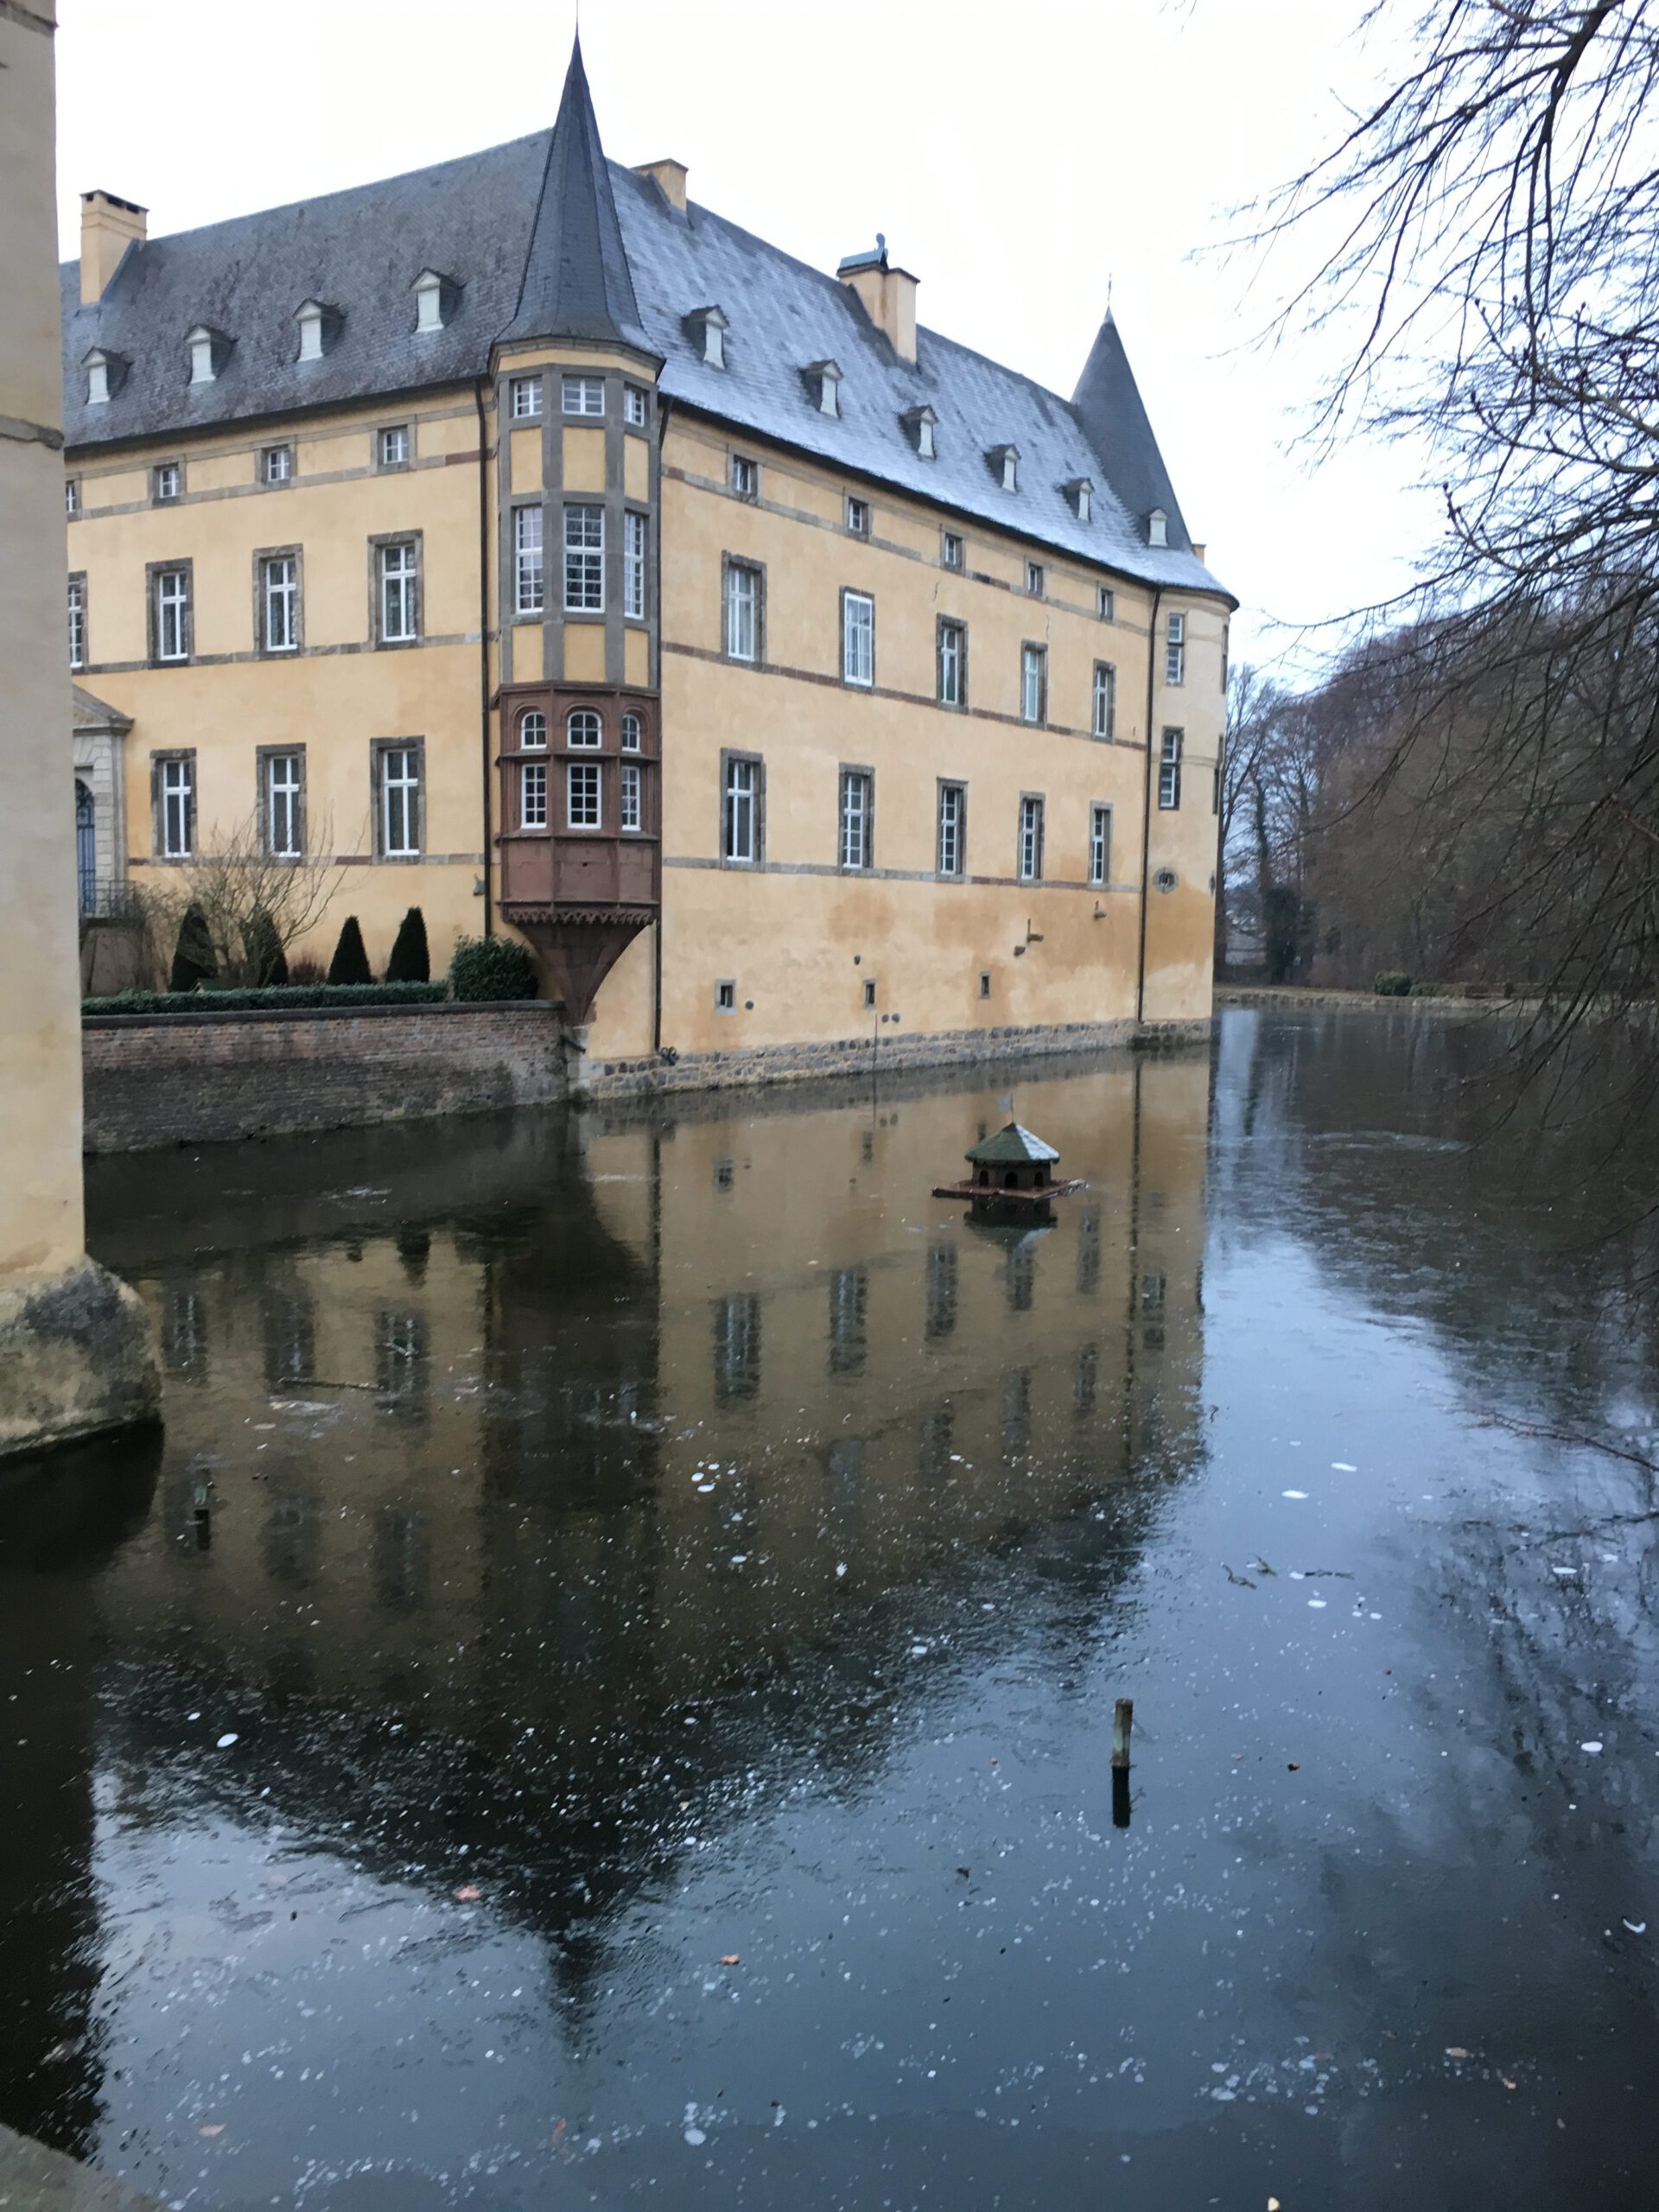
(410, 961)
(192, 956)
(1391, 984)
(239, 1000)
(351, 961)
(491, 967)
(267, 962)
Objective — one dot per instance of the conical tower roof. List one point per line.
(576, 282)
(1108, 404)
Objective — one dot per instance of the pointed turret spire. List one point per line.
(1108, 404)
(576, 282)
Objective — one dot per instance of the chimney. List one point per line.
(1197, 551)
(108, 227)
(669, 177)
(886, 294)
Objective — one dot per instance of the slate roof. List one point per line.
(1012, 1147)
(544, 237)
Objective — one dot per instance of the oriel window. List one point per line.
(584, 394)
(532, 794)
(584, 560)
(631, 802)
(634, 567)
(529, 573)
(582, 795)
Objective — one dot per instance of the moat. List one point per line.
(604, 1691)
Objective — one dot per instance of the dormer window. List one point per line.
(1157, 527)
(1005, 466)
(824, 381)
(705, 327)
(919, 422)
(319, 329)
(208, 351)
(435, 298)
(1080, 492)
(106, 372)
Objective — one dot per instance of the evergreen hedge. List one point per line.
(1391, 984)
(491, 967)
(297, 995)
(192, 956)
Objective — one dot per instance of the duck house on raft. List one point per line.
(1013, 1172)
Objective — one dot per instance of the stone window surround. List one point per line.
(941, 784)
(1098, 806)
(843, 769)
(262, 553)
(851, 591)
(79, 576)
(729, 754)
(949, 622)
(262, 754)
(406, 423)
(1039, 875)
(383, 537)
(154, 570)
(172, 498)
(160, 856)
(379, 749)
(1039, 646)
(757, 570)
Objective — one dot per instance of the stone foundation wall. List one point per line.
(196, 1078)
(888, 1052)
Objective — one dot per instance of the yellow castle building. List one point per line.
(561, 558)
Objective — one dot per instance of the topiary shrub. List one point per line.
(194, 963)
(351, 962)
(263, 953)
(1391, 984)
(410, 961)
(491, 967)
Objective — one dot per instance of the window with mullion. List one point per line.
(740, 812)
(1175, 650)
(953, 664)
(1105, 722)
(77, 622)
(634, 567)
(953, 826)
(1169, 770)
(279, 603)
(284, 805)
(631, 803)
(856, 843)
(400, 801)
(584, 560)
(1031, 839)
(400, 606)
(742, 612)
(857, 638)
(175, 805)
(172, 588)
(582, 802)
(1033, 683)
(1100, 846)
(529, 572)
(532, 794)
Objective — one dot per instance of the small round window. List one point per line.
(631, 733)
(1165, 879)
(583, 727)
(533, 730)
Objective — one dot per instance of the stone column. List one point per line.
(75, 1349)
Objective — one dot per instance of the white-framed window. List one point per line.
(745, 477)
(630, 801)
(284, 805)
(173, 614)
(953, 664)
(858, 516)
(1100, 846)
(72, 495)
(584, 394)
(1175, 650)
(532, 794)
(394, 446)
(857, 638)
(855, 825)
(583, 728)
(400, 610)
(176, 808)
(1169, 770)
(740, 810)
(533, 730)
(524, 398)
(951, 549)
(1033, 683)
(953, 824)
(1105, 718)
(77, 621)
(168, 481)
(276, 464)
(530, 582)
(279, 602)
(633, 733)
(1031, 839)
(584, 560)
(1106, 603)
(635, 407)
(634, 567)
(742, 612)
(400, 801)
(582, 795)
(1036, 582)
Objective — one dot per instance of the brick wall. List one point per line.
(195, 1079)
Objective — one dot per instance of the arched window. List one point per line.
(631, 733)
(532, 729)
(583, 727)
(85, 847)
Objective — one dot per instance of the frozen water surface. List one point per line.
(604, 1693)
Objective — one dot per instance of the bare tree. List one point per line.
(255, 904)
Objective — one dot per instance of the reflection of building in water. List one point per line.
(575, 1424)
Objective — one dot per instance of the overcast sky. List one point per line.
(1020, 160)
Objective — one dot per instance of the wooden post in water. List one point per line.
(1123, 1722)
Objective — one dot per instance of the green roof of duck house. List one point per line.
(1012, 1147)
